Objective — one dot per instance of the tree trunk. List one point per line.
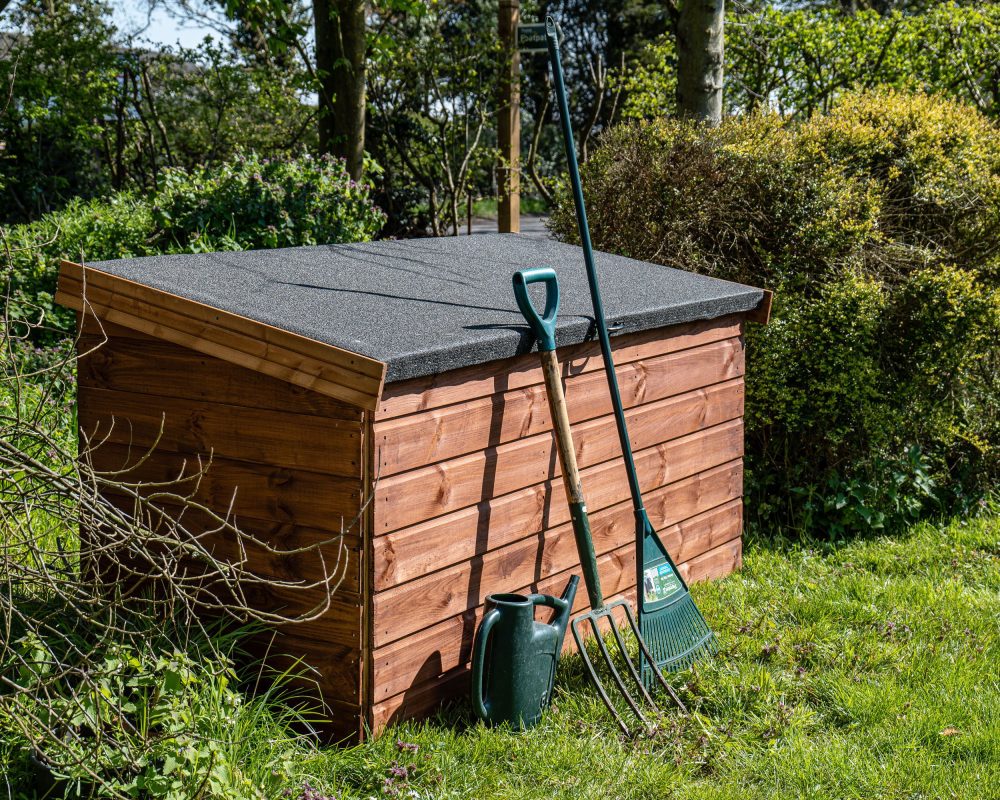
(340, 63)
(700, 50)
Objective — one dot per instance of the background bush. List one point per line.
(251, 202)
(873, 395)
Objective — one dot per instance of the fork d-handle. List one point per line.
(543, 326)
(643, 525)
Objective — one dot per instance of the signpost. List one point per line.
(515, 39)
(531, 38)
(509, 122)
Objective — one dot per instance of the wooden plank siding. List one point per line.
(283, 462)
(130, 361)
(470, 502)
(485, 380)
(438, 489)
(430, 687)
(410, 606)
(260, 436)
(282, 557)
(501, 520)
(405, 663)
(259, 491)
(403, 560)
(517, 414)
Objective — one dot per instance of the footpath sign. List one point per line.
(531, 38)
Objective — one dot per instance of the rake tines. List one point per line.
(677, 636)
(593, 618)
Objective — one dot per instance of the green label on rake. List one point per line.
(659, 582)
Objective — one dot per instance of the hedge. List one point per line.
(252, 202)
(873, 396)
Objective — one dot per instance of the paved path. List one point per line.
(531, 225)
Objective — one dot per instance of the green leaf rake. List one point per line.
(671, 624)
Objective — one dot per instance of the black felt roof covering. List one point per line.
(428, 305)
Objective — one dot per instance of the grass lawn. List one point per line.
(869, 670)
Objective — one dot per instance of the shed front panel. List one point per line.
(470, 502)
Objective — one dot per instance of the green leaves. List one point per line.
(147, 723)
(256, 202)
(252, 202)
(800, 62)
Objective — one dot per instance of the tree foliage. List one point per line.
(86, 113)
(433, 110)
(798, 62)
(59, 80)
(327, 39)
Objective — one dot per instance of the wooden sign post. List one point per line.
(509, 122)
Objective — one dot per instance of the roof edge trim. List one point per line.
(332, 371)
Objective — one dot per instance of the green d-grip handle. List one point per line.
(544, 326)
(552, 29)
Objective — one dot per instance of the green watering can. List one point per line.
(514, 657)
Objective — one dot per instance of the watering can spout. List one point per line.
(561, 620)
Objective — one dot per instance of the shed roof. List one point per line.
(427, 305)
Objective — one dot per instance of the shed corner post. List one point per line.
(761, 314)
(370, 470)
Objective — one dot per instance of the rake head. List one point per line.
(676, 636)
(591, 623)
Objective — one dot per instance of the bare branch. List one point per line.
(95, 562)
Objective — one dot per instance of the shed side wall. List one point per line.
(470, 501)
(288, 462)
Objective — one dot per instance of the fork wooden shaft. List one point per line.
(571, 476)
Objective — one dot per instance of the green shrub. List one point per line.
(873, 395)
(93, 230)
(932, 165)
(250, 203)
(153, 722)
(738, 202)
(258, 202)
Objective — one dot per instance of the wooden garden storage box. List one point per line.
(392, 382)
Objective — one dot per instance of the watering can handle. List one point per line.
(479, 658)
(558, 603)
(544, 325)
